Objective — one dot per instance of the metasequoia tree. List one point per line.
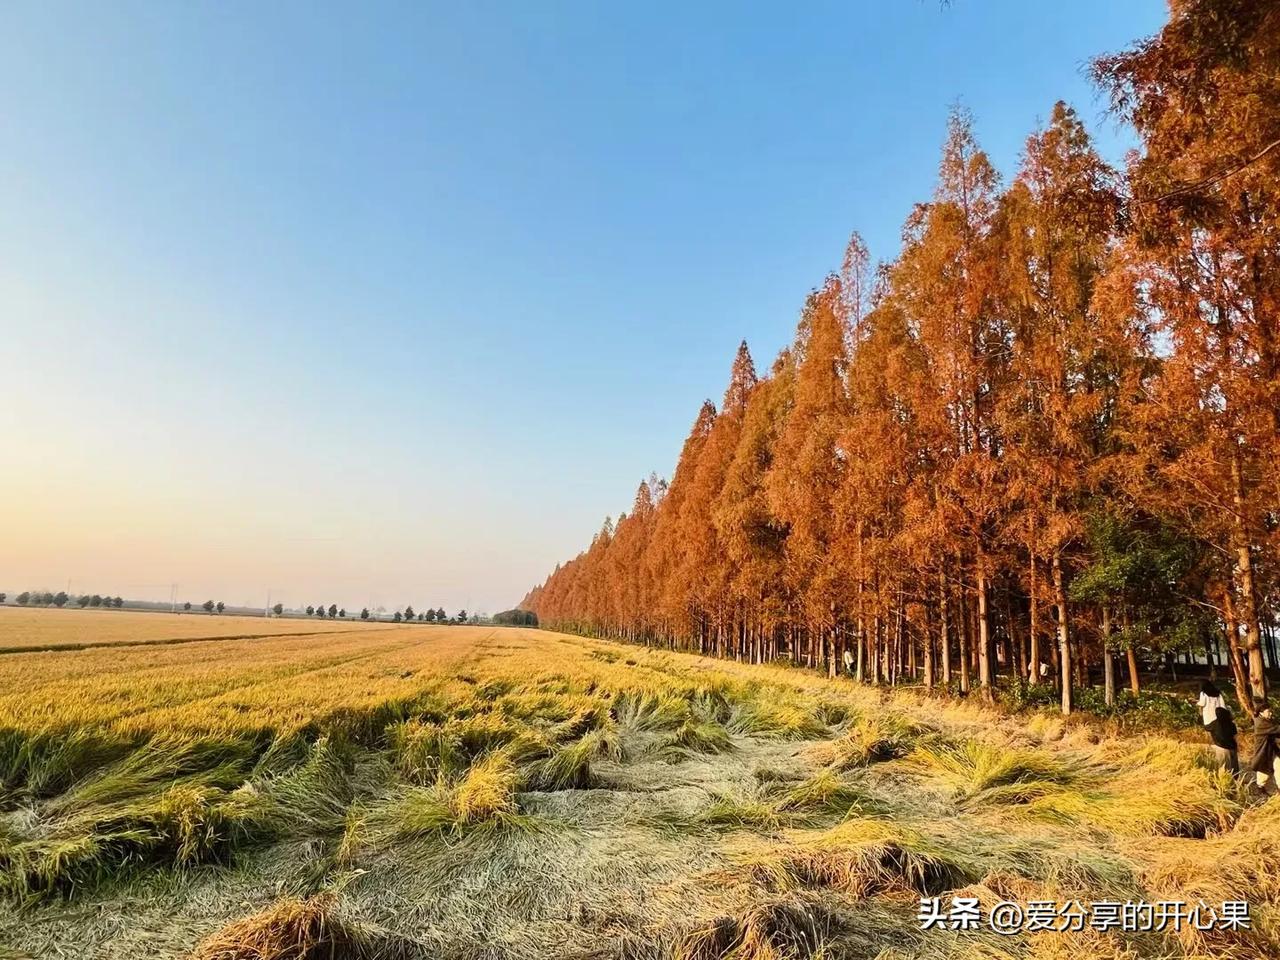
(714, 579)
(1056, 224)
(878, 540)
(750, 535)
(945, 282)
(806, 471)
(666, 555)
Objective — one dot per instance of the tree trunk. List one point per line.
(1108, 661)
(928, 653)
(913, 665)
(1016, 667)
(898, 632)
(891, 653)
(862, 647)
(832, 652)
(944, 637)
(1131, 654)
(1033, 669)
(984, 635)
(1232, 629)
(1247, 613)
(1064, 641)
(873, 651)
(886, 647)
(862, 607)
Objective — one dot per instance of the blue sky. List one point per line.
(394, 303)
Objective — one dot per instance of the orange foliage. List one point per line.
(918, 482)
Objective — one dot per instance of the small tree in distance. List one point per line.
(397, 617)
(311, 611)
(208, 606)
(342, 614)
(24, 598)
(60, 599)
(364, 614)
(118, 602)
(333, 611)
(221, 606)
(83, 600)
(187, 605)
(408, 612)
(278, 609)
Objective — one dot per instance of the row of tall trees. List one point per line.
(1044, 439)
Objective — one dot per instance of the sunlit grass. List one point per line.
(861, 858)
(979, 772)
(793, 795)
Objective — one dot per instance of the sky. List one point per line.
(379, 304)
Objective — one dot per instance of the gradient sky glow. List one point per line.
(394, 303)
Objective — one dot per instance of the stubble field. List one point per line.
(41, 628)
(475, 792)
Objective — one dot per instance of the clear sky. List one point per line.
(394, 303)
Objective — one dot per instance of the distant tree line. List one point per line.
(516, 618)
(406, 615)
(409, 615)
(333, 611)
(46, 598)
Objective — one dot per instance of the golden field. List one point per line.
(44, 627)
(487, 793)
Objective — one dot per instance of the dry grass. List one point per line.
(296, 929)
(473, 793)
(982, 774)
(860, 858)
(1161, 787)
(795, 925)
(1239, 863)
(870, 739)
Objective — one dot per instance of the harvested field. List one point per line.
(474, 792)
(39, 628)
